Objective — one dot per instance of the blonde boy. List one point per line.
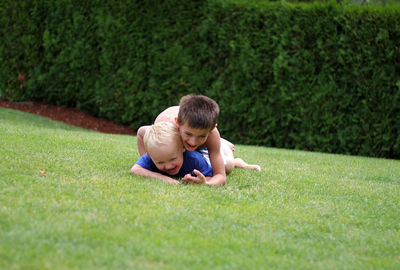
(167, 157)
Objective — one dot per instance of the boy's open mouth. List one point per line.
(172, 171)
(190, 147)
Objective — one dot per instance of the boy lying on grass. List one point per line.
(166, 158)
(196, 119)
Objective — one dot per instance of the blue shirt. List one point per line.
(191, 160)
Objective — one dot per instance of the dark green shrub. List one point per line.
(316, 76)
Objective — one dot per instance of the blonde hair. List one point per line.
(160, 134)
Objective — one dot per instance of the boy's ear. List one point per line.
(177, 122)
(216, 125)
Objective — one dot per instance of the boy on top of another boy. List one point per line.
(196, 119)
(166, 157)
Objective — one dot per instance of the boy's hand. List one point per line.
(173, 182)
(200, 179)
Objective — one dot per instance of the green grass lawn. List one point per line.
(302, 211)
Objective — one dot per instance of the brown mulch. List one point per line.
(69, 116)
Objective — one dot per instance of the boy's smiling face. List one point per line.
(192, 138)
(167, 158)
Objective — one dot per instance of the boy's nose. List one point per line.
(192, 141)
(169, 166)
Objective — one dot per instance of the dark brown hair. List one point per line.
(198, 111)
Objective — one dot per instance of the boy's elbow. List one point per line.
(220, 181)
(135, 169)
(141, 131)
(223, 180)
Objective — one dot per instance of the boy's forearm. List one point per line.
(217, 163)
(140, 145)
(216, 180)
(140, 171)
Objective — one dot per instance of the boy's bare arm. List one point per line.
(139, 170)
(140, 134)
(213, 144)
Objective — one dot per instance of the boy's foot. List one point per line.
(239, 163)
(254, 167)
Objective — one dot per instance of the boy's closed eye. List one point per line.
(162, 162)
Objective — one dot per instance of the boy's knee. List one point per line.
(229, 165)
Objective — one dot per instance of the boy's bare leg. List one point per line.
(231, 162)
(239, 163)
(227, 154)
(226, 148)
(229, 144)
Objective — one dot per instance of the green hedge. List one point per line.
(321, 77)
